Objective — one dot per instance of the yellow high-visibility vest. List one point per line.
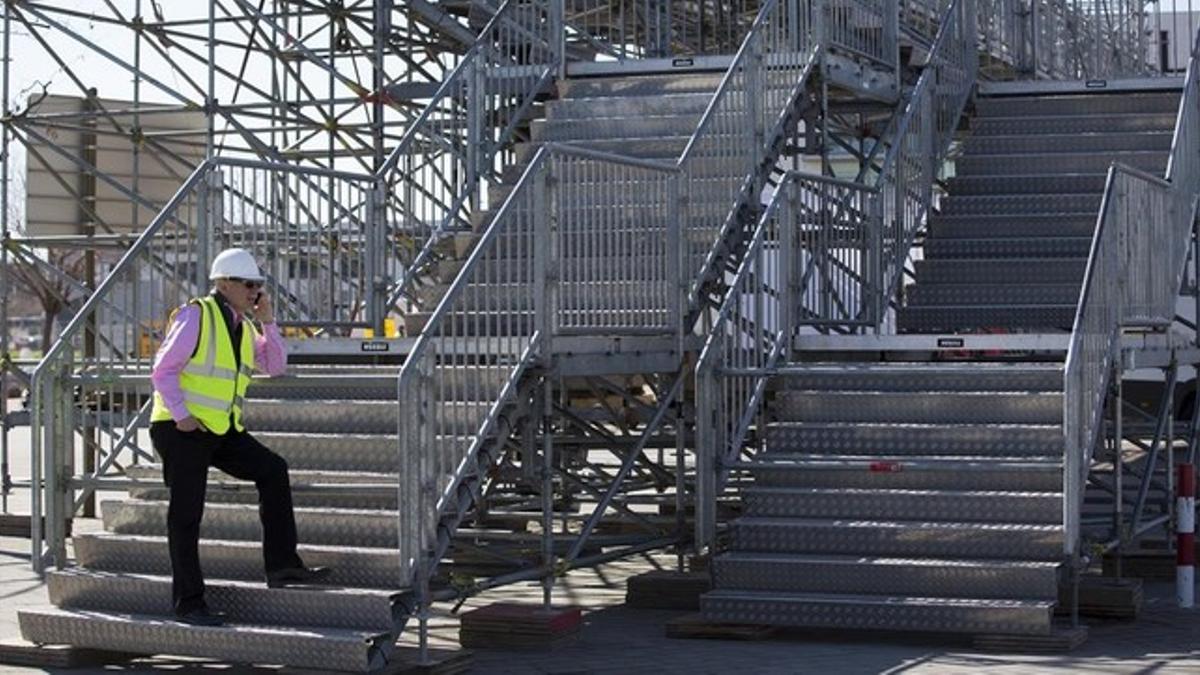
(214, 386)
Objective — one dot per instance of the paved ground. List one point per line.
(620, 640)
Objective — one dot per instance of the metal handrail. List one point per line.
(922, 140)
(468, 81)
(1142, 219)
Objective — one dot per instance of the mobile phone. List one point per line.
(257, 298)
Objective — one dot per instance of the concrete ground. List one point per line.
(616, 639)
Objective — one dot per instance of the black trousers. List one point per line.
(186, 458)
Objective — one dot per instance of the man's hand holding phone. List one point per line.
(264, 312)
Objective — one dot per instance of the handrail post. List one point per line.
(707, 441)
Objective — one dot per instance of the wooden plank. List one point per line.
(693, 626)
(1104, 597)
(16, 652)
(667, 590)
(1060, 639)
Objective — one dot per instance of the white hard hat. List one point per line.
(236, 263)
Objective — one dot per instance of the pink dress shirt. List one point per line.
(270, 356)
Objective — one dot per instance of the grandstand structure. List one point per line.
(835, 295)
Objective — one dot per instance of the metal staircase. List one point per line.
(1008, 249)
(927, 496)
(633, 194)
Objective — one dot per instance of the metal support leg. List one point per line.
(542, 406)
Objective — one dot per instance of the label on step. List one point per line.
(885, 467)
(375, 346)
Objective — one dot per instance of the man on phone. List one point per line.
(200, 376)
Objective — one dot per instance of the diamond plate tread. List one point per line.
(665, 148)
(869, 612)
(922, 376)
(949, 318)
(519, 324)
(362, 417)
(929, 577)
(1069, 124)
(358, 567)
(908, 472)
(1006, 541)
(915, 439)
(948, 505)
(996, 205)
(312, 648)
(1075, 142)
(993, 226)
(641, 85)
(930, 407)
(326, 526)
(334, 451)
(1027, 184)
(244, 602)
(379, 385)
(1062, 162)
(628, 106)
(941, 248)
(926, 294)
(309, 488)
(652, 126)
(1002, 272)
(581, 296)
(1078, 104)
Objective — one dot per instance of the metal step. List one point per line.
(1067, 183)
(239, 522)
(976, 506)
(951, 318)
(641, 85)
(375, 453)
(242, 601)
(519, 323)
(1006, 541)
(379, 385)
(1064, 124)
(956, 440)
(929, 407)
(1008, 247)
(315, 648)
(352, 566)
(989, 226)
(653, 126)
(1077, 142)
(1002, 272)
(908, 472)
(333, 489)
(926, 577)
(996, 205)
(872, 612)
(922, 376)
(339, 416)
(628, 106)
(710, 198)
(930, 294)
(1072, 105)
(586, 298)
(1061, 162)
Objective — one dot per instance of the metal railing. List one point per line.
(1133, 276)
(93, 382)
(435, 178)
(741, 126)
(640, 29)
(752, 328)
(497, 320)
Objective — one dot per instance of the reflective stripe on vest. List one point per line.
(213, 383)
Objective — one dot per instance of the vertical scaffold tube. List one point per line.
(1185, 529)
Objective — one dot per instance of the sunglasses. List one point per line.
(248, 283)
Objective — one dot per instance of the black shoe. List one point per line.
(201, 617)
(297, 576)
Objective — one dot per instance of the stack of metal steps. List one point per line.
(1009, 247)
(337, 433)
(901, 497)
